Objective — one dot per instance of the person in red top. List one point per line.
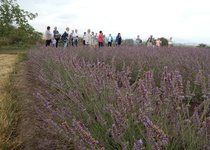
(100, 39)
(158, 42)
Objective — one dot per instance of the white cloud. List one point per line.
(185, 19)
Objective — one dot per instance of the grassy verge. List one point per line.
(9, 113)
(15, 49)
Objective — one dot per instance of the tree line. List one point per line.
(14, 26)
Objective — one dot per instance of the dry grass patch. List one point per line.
(6, 65)
(8, 118)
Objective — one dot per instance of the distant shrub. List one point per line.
(129, 41)
(4, 41)
(164, 41)
(202, 45)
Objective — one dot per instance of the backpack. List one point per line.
(140, 41)
(64, 36)
(57, 36)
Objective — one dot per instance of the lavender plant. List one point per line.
(123, 98)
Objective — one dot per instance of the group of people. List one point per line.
(152, 42)
(91, 39)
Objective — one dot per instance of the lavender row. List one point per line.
(123, 98)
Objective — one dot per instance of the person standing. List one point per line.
(138, 40)
(65, 37)
(153, 42)
(158, 42)
(118, 39)
(96, 39)
(75, 38)
(170, 43)
(150, 41)
(56, 35)
(88, 38)
(71, 40)
(84, 37)
(100, 39)
(104, 40)
(92, 39)
(48, 36)
(110, 39)
(54, 42)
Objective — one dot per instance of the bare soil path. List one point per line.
(26, 128)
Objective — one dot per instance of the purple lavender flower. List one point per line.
(138, 145)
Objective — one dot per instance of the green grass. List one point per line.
(15, 49)
(9, 111)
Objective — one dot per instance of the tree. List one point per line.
(14, 22)
(164, 41)
(129, 41)
(202, 45)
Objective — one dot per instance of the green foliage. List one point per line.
(164, 41)
(14, 25)
(202, 45)
(4, 41)
(129, 41)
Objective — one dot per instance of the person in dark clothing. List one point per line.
(118, 39)
(56, 36)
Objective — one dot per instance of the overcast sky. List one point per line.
(186, 21)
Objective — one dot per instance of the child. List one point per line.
(54, 42)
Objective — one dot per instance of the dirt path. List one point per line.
(27, 126)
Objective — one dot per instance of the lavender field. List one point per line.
(122, 98)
